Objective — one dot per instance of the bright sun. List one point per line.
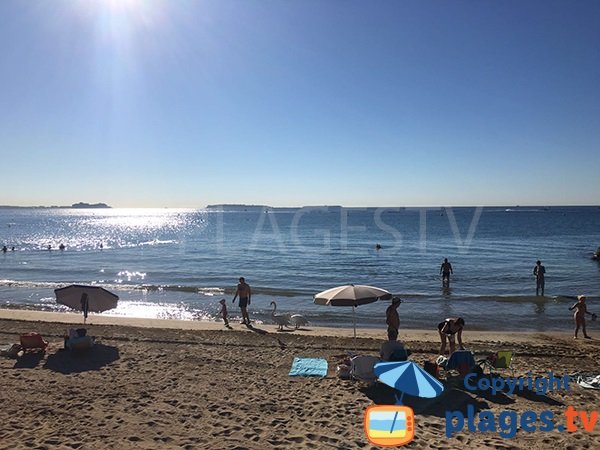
(125, 6)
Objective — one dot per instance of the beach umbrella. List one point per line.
(351, 295)
(408, 377)
(86, 298)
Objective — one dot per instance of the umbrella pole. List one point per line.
(399, 400)
(354, 321)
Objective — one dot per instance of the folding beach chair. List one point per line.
(33, 341)
(499, 360)
(361, 368)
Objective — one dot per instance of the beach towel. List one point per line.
(591, 382)
(308, 367)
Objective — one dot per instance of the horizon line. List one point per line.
(259, 206)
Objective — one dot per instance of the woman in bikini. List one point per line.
(448, 329)
(580, 311)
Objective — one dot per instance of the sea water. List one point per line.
(171, 263)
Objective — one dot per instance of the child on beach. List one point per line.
(223, 312)
(580, 311)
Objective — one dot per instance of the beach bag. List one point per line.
(343, 372)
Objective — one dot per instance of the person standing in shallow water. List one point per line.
(539, 271)
(245, 293)
(445, 271)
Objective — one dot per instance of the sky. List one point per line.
(162, 103)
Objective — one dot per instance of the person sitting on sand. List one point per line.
(223, 312)
(245, 294)
(447, 329)
(580, 311)
(391, 315)
(392, 350)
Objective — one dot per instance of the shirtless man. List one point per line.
(445, 271)
(580, 311)
(539, 271)
(245, 294)
(392, 318)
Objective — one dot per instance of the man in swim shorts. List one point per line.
(445, 271)
(392, 318)
(245, 294)
(539, 271)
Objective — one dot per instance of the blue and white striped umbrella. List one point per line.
(408, 377)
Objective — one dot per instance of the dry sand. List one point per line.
(192, 385)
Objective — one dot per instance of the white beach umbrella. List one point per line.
(86, 298)
(351, 295)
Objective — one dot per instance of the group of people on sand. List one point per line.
(244, 293)
(448, 330)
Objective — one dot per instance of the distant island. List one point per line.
(236, 207)
(242, 207)
(80, 205)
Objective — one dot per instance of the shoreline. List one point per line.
(430, 336)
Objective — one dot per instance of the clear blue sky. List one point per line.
(359, 103)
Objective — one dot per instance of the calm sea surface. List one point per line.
(169, 263)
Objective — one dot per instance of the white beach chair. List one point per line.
(361, 368)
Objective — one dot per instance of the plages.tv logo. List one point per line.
(394, 425)
(389, 425)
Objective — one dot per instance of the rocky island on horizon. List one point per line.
(79, 205)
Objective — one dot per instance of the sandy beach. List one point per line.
(154, 384)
